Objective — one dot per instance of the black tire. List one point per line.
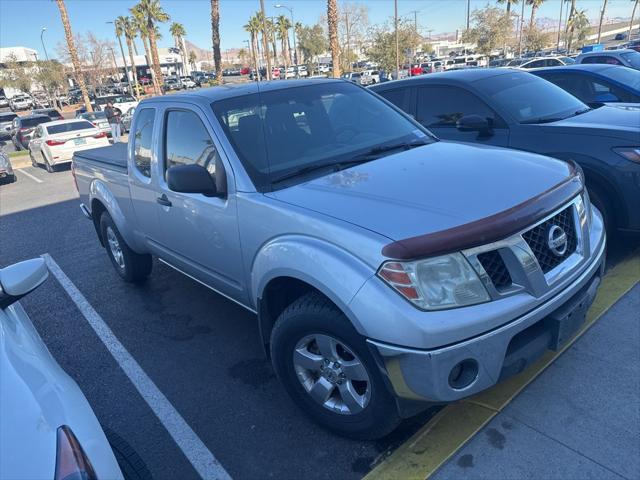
(315, 314)
(598, 200)
(50, 168)
(134, 267)
(132, 466)
(33, 160)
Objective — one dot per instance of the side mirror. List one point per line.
(191, 179)
(474, 123)
(605, 97)
(19, 279)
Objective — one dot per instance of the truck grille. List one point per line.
(496, 269)
(537, 238)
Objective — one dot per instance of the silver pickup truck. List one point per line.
(387, 269)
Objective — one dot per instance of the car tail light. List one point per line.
(53, 143)
(71, 461)
(100, 135)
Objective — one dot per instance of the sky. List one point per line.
(21, 21)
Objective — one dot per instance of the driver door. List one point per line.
(439, 107)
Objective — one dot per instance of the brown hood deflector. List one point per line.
(489, 229)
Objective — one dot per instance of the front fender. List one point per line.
(335, 272)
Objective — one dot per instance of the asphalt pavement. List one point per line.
(200, 350)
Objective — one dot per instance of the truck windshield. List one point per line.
(281, 132)
(529, 99)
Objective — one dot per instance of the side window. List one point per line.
(535, 64)
(553, 62)
(601, 59)
(399, 97)
(441, 106)
(187, 142)
(143, 134)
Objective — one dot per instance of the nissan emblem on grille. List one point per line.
(557, 240)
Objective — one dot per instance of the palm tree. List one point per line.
(125, 26)
(151, 12)
(332, 21)
(569, 27)
(253, 27)
(509, 3)
(604, 8)
(141, 27)
(579, 24)
(215, 37)
(272, 28)
(73, 53)
(265, 48)
(535, 4)
(636, 3)
(178, 33)
(193, 59)
(283, 25)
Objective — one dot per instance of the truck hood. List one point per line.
(607, 121)
(429, 189)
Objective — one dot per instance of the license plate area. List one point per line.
(567, 320)
(79, 141)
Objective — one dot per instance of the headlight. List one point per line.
(435, 283)
(630, 153)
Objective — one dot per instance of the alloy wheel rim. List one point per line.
(114, 246)
(332, 374)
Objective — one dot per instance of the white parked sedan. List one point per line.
(48, 429)
(54, 143)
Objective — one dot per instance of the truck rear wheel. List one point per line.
(328, 370)
(131, 266)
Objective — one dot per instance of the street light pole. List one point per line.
(293, 26)
(44, 29)
(124, 62)
(559, 27)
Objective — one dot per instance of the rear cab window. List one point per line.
(142, 138)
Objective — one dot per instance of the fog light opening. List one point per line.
(463, 374)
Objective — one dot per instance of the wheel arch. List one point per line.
(595, 179)
(286, 269)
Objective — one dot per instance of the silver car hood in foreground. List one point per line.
(428, 189)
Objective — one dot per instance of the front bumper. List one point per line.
(433, 375)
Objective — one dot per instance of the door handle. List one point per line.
(164, 201)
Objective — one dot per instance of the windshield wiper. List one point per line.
(372, 154)
(377, 152)
(305, 170)
(556, 119)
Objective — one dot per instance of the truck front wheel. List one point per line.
(328, 370)
(131, 266)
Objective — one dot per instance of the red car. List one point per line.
(245, 71)
(416, 70)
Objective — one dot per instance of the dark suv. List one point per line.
(511, 108)
(23, 128)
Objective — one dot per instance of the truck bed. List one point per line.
(112, 156)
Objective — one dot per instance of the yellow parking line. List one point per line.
(457, 423)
